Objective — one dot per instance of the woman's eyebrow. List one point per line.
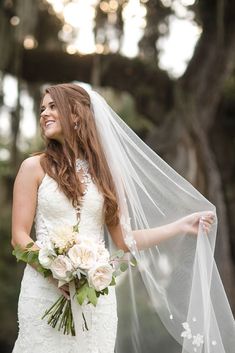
(43, 106)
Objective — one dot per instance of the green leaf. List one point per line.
(76, 228)
(106, 291)
(30, 257)
(29, 245)
(113, 282)
(120, 253)
(91, 295)
(123, 266)
(35, 257)
(82, 293)
(117, 273)
(17, 252)
(47, 273)
(133, 262)
(24, 257)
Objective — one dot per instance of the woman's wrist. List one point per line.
(173, 229)
(179, 226)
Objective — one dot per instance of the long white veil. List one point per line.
(180, 274)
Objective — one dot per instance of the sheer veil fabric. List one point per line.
(180, 274)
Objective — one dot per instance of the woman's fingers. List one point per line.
(207, 215)
(206, 221)
(207, 218)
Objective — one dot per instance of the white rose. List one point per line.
(82, 256)
(100, 276)
(46, 256)
(62, 268)
(63, 237)
(74, 255)
(102, 253)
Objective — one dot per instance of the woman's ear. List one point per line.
(75, 121)
(74, 117)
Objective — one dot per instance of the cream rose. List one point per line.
(63, 237)
(82, 256)
(62, 268)
(100, 276)
(102, 253)
(46, 256)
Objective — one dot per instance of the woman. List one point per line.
(83, 176)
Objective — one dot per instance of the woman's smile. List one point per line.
(49, 120)
(49, 123)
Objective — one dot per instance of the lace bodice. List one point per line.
(55, 210)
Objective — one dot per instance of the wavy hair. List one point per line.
(59, 161)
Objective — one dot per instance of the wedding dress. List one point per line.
(38, 294)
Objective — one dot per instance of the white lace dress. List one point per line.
(37, 294)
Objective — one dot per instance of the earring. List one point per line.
(76, 125)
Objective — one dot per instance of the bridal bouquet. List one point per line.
(69, 256)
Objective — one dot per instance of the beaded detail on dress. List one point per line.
(82, 167)
(82, 164)
(38, 294)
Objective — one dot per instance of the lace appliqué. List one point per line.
(82, 165)
(128, 237)
(197, 339)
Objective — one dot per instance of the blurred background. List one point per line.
(166, 66)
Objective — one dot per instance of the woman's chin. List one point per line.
(53, 136)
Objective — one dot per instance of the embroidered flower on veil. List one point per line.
(187, 333)
(197, 340)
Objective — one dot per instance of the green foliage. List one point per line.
(76, 228)
(30, 257)
(82, 293)
(123, 266)
(113, 282)
(118, 254)
(91, 295)
(124, 104)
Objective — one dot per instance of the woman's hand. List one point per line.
(63, 289)
(190, 223)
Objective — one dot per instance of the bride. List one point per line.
(95, 171)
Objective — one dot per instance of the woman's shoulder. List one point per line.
(32, 162)
(32, 166)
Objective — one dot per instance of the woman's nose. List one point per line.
(44, 112)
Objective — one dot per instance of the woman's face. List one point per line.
(49, 120)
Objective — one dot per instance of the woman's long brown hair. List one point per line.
(59, 161)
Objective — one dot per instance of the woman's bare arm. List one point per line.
(146, 238)
(24, 200)
(25, 191)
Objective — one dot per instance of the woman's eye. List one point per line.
(51, 106)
